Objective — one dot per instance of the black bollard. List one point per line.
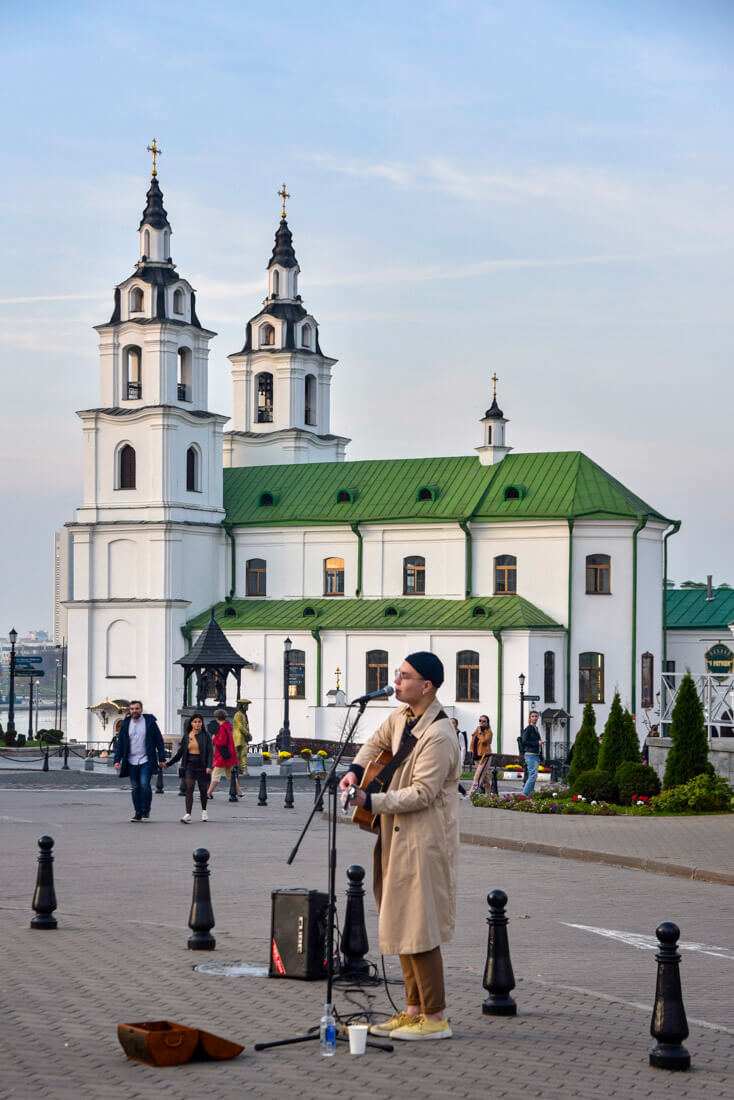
(44, 897)
(45, 760)
(317, 791)
(201, 917)
(288, 804)
(493, 788)
(182, 786)
(498, 976)
(233, 785)
(159, 788)
(262, 797)
(355, 944)
(669, 1025)
(65, 765)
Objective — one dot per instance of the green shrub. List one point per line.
(619, 740)
(53, 737)
(595, 785)
(703, 794)
(586, 745)
(635, 779)
(688, 756)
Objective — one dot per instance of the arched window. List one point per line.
(489, 436)
(264, 390)
(126, 467)
(146, 243)
(334, 577)
(296, 674)
(549, 676)
(414, 576)
(647, 681)
(267, 336)
(376, 670)
(256, 577)
(178, 301)
(266, 500)
(467, 676)
(185, 373)
(121, 650)
(306, 336)
(132, 382)
(310, 399)
(136, 300)
(505, 575)
(276, 284)
(165, 245)
(598, 575)
(193, 470)
(591, 677)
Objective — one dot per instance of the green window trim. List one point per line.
(426, 492)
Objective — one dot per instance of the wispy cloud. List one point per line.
(88, 296)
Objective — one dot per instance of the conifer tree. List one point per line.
(688, 755)
(586, 745)
(619, 740)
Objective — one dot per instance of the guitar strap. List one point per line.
(408, 742)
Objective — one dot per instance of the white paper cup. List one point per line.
(357, 1038)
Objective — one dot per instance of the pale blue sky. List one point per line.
(540, 187)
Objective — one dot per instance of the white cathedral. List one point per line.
(506, 565)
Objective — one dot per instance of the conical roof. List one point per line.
(283, 253)
(154, 214)
(212, 648)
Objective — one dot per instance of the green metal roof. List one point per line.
(415, 613)
(688, 609)
(553, 485)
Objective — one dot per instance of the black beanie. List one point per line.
(428, 666)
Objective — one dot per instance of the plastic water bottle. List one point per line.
(327, 1033)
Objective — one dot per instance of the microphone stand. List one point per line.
(330, 785)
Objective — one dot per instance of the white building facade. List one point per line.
(502, 563)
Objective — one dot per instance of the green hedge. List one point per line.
(703, 794)
(635, 779)
(596, 785)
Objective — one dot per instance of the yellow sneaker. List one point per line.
(423, 1029)
(386, 1029)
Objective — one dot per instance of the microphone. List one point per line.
(383, 693)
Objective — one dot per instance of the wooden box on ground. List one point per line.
(165, 1043)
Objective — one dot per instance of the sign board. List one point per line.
(20, 657)
(29, 672)
(719, 661)
(532, 698)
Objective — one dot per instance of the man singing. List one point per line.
(417, 853)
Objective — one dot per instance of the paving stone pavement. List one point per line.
(120, 955)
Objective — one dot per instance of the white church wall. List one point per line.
(541, 550)
(649, 611)
(441, 545)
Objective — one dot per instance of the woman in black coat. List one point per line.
(196, 754)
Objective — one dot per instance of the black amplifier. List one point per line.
(298, 935)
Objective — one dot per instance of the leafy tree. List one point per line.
(619, 740)
(688, 756)
(586, 746)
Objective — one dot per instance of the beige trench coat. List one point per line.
(416, 858)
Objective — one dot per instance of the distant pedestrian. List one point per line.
(462, 739)
(138, 753)
(530, 744)
(195, 753)
(225, 753)
(481, 752)
(241, 733)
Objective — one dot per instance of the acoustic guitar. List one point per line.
(373, 781)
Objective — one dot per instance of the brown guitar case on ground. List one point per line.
(165, 1043)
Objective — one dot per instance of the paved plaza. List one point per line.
(585, 971)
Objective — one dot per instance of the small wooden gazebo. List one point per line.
(212, 659)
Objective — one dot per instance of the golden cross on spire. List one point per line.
(156, 151)
(284, 195)
(494, 381)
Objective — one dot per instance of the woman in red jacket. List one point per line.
(225, 753)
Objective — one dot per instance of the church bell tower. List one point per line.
(281, 377)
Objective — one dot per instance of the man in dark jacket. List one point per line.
(138, 753)
(530, 743)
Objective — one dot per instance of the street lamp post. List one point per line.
(522, 701)
(285, 733)
(30, 708)
(11, 701)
